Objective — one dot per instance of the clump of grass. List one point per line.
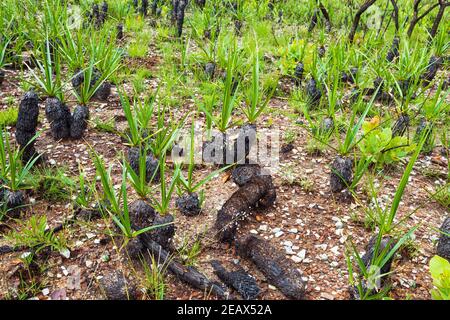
(108, 125)
(154, 281)
(137, 50)
(54, 185)
(8, 117)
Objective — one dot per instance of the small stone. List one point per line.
(279, 234)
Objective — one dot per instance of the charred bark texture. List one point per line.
(259, 191)
(239, 280)
(278, 270)
(443, 248)
(189, 275)
(27, 121)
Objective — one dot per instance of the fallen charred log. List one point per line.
(189, 275)
(259, 191)
(278, 270)
(239, 280)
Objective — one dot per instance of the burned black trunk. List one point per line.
(429, 141)
(278, 270)
(443, 247)
(400, 126)
(144, 8)
(313, 92)
(239, 280)
(189, 204)
(79, 122)
(190, 275)
(433, 66)
(210, 69)
(180, 16)
(259, 191)
(341, 175)
(151, 164)
(27, 121)
(59, 117)
(298, 73)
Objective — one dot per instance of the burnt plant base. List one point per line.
(189, 204)
(443, 247)
(116, 287)
(341, 174)
(58, 114)
(78, 123)
(243, 174)
(151, 164)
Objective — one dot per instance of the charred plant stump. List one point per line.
(239, 280)
(428, 145)
(79, 122)
(443, 247)
(27, 121)
(341, 175)
(13, 201)
(120, 31)
(298, 73)
(181, 7)
(433, 66)
(210, 69)
(313, 92)
(259, 191)
(357, 18)
(58, 114)
(278, 270)
(386, 245)
(243, 174)
(314, 20)
(400, 126)
(393, 53)
(189, 204)
(151, 164)
(144, 8)
(2, 77)
(103, 91)
(116, 287)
